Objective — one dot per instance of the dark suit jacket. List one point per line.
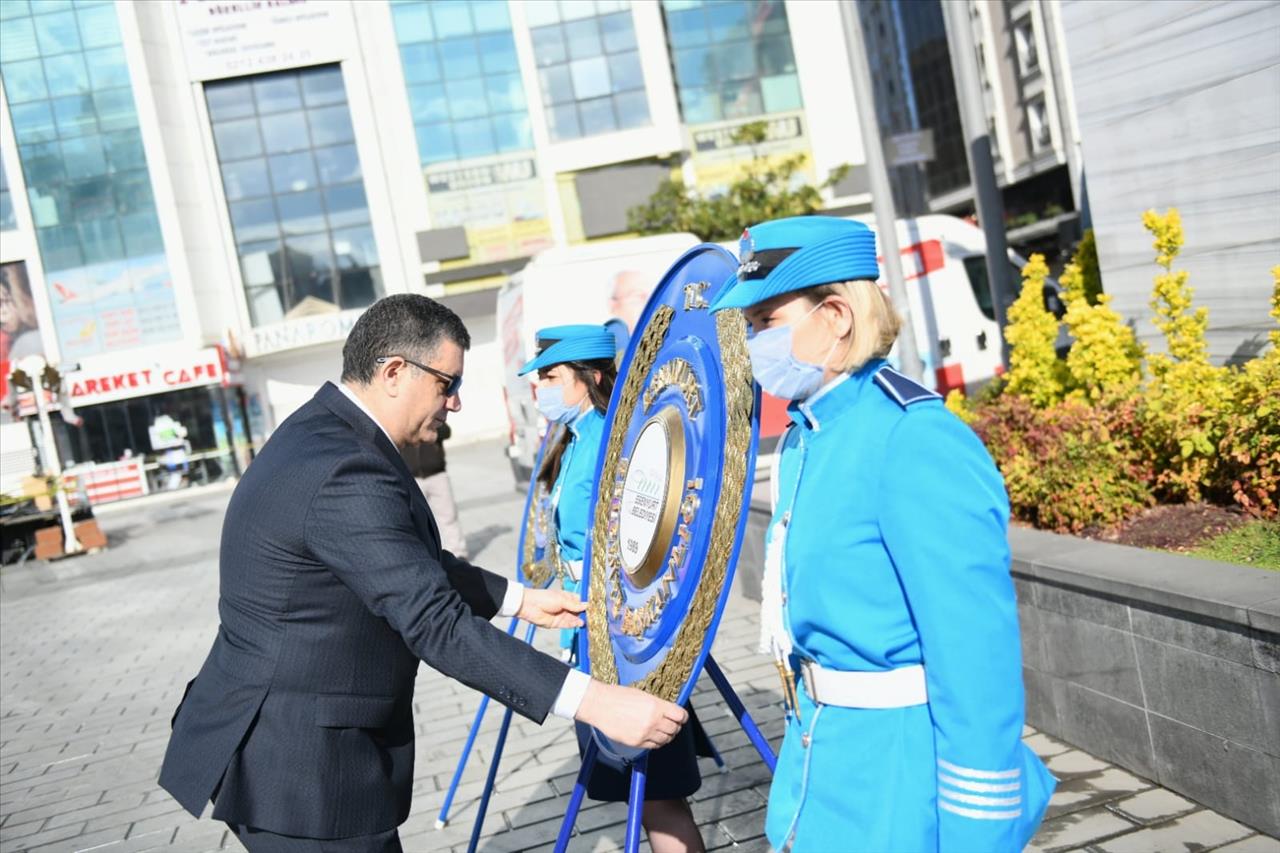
(333, 587)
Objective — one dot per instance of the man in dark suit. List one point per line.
(299, 725)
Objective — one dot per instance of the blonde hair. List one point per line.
(875, 321)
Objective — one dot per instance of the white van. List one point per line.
(944, 266)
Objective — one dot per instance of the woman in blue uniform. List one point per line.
(576, 373)
(887, 587)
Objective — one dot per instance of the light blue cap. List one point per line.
(783, 255)
(560, 344)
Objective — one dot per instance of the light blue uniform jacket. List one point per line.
(896, 554)
(571, 495)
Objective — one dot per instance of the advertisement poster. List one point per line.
(718, 160)
(19, 331)
(230, 38)
(501, 205)
(113, 306)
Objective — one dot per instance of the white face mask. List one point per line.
(777, 370)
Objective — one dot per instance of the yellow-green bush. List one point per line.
(1070, 466)
(1250, 445)
(1186, 397)
(1034, 369)
(1105, 360)
(1092, 441)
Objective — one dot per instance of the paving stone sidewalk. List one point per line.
(93, 659)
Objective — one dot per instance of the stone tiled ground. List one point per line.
(94, 653)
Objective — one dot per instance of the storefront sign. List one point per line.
(501, 205)
(302, 332)
(719, 160)
(144, 377)
(230, 38)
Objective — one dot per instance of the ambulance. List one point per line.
(944, 267)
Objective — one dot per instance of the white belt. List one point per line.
(573, 568)
(894, 688)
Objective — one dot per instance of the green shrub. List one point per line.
(1070, 466)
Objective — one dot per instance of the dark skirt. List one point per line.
(672, 773)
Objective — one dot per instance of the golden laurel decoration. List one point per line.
(667, 679)
(536, 572)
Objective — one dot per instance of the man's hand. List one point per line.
(552, 608)
(630, 716)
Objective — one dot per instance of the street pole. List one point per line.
(881, 194)
(982, 172)
(49, 455)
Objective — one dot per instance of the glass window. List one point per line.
(419, 61)
(24, 81)
(18, 39)
(590, 77)
(360, 278)
(413, 19)
(285, 206)
(497, 53)
(583, 39)
(74, 115)
(124, 150)
(254, 220)
(74, 118)
(100, 239)
(475, 138)
(491, 16)
(323, 87)
(65, 74)
(246, 179)
(285, 132)
(506, 94)
(229, 99)
(451, 18)
(462, 77)
(276, 93)
(292, 173)
(331, 125)
(114, 108)
(300, 213)
(237, 139)
(107, 67)
(512, 131)
(731, 59)
(617, 32)
(33, 122)
(83, 157)
(98, 25)
(435, 143)
(587, 54)
(458, 58)
(467, 98)
(7, 218)
(346, 205)
(57, 33)
(337, 164)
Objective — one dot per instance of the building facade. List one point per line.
(1179, 107)
(1028, 101)
(191, 183)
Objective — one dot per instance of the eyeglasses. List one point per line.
(453, 384)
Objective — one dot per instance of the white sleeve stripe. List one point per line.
(979, 815)
(980, 787)
(975, 800)
(979, 774)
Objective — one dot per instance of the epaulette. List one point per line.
(903, 390)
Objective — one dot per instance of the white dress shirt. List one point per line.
(574, 689)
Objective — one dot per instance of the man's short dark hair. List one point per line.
(405, 324)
